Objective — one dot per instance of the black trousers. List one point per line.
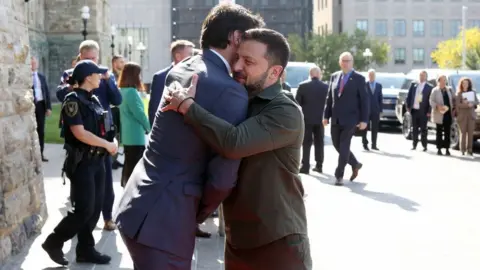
(133, 154)
(40, 110)
(419, 122)
(88, 190)
(443, 132)
(341, 139)
(314, 134)
(289, 253)
(373, 126)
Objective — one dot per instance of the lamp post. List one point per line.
(464, 39)
(130, 44)
(141, 48)
(367, 54)
(113, 32)
(85, 16)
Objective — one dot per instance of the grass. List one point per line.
(52, 131)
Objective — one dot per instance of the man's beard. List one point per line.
(255, 87)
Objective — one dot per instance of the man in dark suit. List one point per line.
(43, 106)
(311, 95)
(265, 214)
(179, 50)
(347, 108)
(375, 94)
(418, 105)
(180, 181)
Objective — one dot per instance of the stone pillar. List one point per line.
(64, 26)
(22, 195)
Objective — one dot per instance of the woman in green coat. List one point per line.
(134, 121)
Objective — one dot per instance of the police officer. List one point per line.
(84, 124)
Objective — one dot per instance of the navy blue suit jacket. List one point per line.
(425, 104)
(376, 99)
(45, 91)
(352, 107)
(156, 92)
(180, 180)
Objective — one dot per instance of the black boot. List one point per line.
(92, 256)
(54, 250)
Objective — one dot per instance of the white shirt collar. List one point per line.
(224, 60)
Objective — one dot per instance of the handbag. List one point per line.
(359, 132)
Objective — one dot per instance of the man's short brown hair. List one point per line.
(88, 45)
(179, 45)
(116, 57)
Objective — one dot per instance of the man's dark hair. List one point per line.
(278, 50)
(116, 57)
(179, 45)
(222, 21)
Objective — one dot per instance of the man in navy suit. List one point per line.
(418, 105)
(43, 106)
(347, 108)
(180, 50)
(311, 96)
(374, 90)
(108, 94)
(180, 180)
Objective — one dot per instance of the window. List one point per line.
(319, 30)
(418, 28)
(474, 23)
(436, 27)
(381, 28)
(318, 4)
(418, 56)
(400, 28)
(433, 60)
(455, 27)
(340, 27)
(362, 25)
(400, 56)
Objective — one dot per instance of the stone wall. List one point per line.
(63, 27)
(22, 195)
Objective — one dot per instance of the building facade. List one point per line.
(287, 17)
(412, 28)
(147, 23)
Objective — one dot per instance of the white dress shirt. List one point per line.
(37, 87)
(418, 96)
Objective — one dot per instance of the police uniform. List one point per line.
(84, 166)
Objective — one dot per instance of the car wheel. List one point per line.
(407, 126)
(455, 136)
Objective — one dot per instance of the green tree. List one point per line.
(325, 49)
(449, 52)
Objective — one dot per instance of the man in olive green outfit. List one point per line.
(265, 218)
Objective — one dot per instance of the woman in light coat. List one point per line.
(442, 103)
(466, 115)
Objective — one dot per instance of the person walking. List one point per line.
(135, 122)
(466, 115)
(84, 129)
(441, 101)
(375, 94)
(311, 96)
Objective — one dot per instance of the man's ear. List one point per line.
(276, 72)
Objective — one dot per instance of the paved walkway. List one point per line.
(208, 252)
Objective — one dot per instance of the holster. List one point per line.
(72, 159)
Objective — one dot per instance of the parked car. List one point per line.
(392, 84)
(297, 72)
(453, 76)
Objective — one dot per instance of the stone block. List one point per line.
(16, 206)
(33, 224)
(5, 248)
(18, 238)
(16, 133)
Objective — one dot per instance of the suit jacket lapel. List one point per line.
(337, 87)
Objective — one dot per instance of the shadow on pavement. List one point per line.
(359, 188)
(390, 155)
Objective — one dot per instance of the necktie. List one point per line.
(372, 87)
(342, 84)
(34, 81)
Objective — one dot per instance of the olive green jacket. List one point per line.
(267, 203)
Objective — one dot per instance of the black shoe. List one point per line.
(439, 152)
(375, 148)
(447, 152)
(44, 159)
(54, 252)
(318, 169)
(304, 170)
(339, 181)
(470, 153)
(355, 171)
(366, 147)
(414, 147)
(94, 257)
(202, 234)
(424, 149)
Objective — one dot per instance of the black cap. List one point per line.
(84, 69)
